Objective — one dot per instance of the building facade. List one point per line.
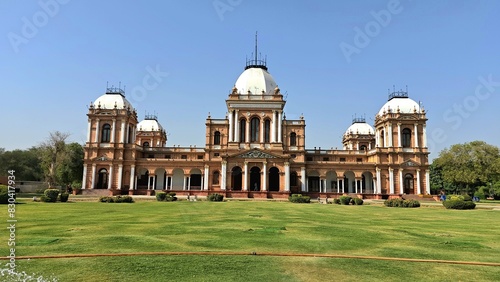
(255, 151)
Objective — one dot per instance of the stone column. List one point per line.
(84, 179)
(120, 176)
(416, 134)
(264, 176)
(113, 131)
(355, 186)
(247, 131)
(389, 135)
(338, 185)
(427, 182)
(401, 188)
(377, 138)
(236, 125)
(132, 176)
(399, 135)
(303, 179)
(206, 177)
(223, 175)
(231, 125)
(279, 127)
(89, 128)
(273, 128)
(391, 181)
(189, 182)
(110, 178)
(245, 177)
(184, 183)
(122, 135)
(287, 176)
(424, 136)
(127, 130)
(419, 188)
(92, 182)
(379, 182)
(97, 131)
(261, 131)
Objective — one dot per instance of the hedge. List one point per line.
(459, 205)
(400, 203)
(298, 198)
(345, 200)
(215, 197)
(51, 195)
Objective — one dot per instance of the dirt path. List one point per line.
(253, 254)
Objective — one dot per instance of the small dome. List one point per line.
(256, 81)
(404, 104)
(362, 128)
(149, 124)
(112, 99)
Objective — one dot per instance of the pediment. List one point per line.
(410, 163)
(101, 158)
(255, 154)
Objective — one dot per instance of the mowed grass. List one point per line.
(270, 227)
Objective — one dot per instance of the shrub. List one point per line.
(467, 197)
(161, 196)
(117, 199)
(298, 198)
(345, 200)
(336, 201)
(171, 197)
(46, 199)
(64, 197)
(455, 197)
(51, 194)
(215, 197)
(357, 201)
(4, 194)
(400, 203)
(459, 205)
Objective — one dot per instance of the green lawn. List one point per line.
(276, 227)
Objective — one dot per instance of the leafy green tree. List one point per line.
(465, 167)
(52, 154)
(25, 162)
(71, 168)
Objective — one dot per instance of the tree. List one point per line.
(53, 153)
(25, 162)
(464, 167)
(71, 168)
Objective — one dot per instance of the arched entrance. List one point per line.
(367, 182)
(236, 178)
(102, 179)
(274, 179)
(160, 174)
(255, 179)
(195, 179)
(408, 184)
(349, 182)
(177, 179)
(331, 181)
(313, 181)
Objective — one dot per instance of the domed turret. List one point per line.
(359, 136)
(359, 126)
(255, 81)
(150, 123)
(114, 98)
(399, 102)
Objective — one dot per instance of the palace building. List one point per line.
(255, 152)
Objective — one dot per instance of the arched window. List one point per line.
(102, 179)
(254, 129)
(382, 138)
(243, 124)
(408, 183)
(145, 144)
(215, 179)
(406, 138)
(217, 138)
(293, 139)
(106, 133)
(267, 130)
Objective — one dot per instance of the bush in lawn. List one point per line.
(467, 197)
(298, 198)
(161, 196)
(4, 194)
(357, 201)
(171, 197)
(106, 199)
(459, 205)
(397, 202)
(336, 201)
(410, 203)
(64, 197)
(45, 199)
(51, 194)
(345, 200)
(215, 197)
(117, 199)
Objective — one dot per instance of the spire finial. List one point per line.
(256, 47)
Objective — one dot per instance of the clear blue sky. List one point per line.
(55, 60)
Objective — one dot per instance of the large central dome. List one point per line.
(256, 81)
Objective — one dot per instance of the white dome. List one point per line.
(404, 104)
(109, 100)
(360, 128)
(256, 80)
(149, 125)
